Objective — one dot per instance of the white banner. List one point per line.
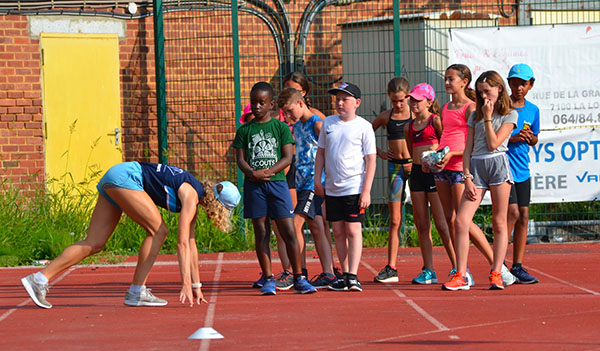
(565, 60)
(565, 167)
(566, 63)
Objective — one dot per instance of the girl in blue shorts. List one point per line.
(136, 188)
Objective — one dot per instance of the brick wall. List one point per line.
(201, 130)
(21, 144)
(21, 120)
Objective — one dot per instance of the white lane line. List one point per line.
(411, 303)
(464, 327)
(160, 263)
(563, 281)
(61, 277)
(212, 304)
(427, 316)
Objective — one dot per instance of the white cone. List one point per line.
(206, 333)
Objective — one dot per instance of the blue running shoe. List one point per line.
(302, 286)
(452, 272)
(425, 277)
(269, 287)
(259, 283)
(522, 276)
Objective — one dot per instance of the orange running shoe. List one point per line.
(496, 281)
(458, 282)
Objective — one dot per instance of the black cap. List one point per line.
(347, 88)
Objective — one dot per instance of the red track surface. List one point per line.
(562, 312)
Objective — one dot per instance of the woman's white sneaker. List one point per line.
(144, 298)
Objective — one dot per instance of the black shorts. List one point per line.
(520, 193)
(421, 181)
(344, 208)
(309, 204)
(290, 176)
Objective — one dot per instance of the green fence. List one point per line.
(365, 42)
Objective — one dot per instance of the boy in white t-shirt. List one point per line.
(347, 153)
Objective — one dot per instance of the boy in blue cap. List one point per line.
(520, 81)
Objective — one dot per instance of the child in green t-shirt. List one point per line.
(263, 149)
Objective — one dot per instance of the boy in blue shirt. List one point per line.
(307, 127)
(263, 149)
(520, 81)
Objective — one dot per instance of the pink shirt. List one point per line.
(455, 134)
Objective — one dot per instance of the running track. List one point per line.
(562, 312)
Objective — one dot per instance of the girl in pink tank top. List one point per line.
(455, 133)
(449, 181)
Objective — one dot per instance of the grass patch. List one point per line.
(40, 224)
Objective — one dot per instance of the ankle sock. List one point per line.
(40, 278)
(135, 289)
(298, 277)
(516, 265)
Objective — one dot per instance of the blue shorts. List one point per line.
(309, 204)
(267, 199)
(126, 175)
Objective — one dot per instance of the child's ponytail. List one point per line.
(464, 73)
(470, 93)
(435, 107)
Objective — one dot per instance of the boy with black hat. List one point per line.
(347, 153)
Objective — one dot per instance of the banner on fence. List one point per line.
(565, 166)
(566, 63)
(565, 60)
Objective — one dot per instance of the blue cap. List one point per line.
(521, 71)
(229, 195)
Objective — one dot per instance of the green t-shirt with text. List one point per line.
(263, 143)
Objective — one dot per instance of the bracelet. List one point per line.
(487, 120)
(465, 176)
(196, 285)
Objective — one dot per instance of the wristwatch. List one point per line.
(465, 176)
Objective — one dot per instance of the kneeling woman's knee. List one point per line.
(94, 247)
(161, 233)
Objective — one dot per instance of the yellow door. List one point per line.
(82, 106)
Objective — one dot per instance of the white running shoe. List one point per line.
(36, 291)
(470, 280)
(144, 298)
(507, 277)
